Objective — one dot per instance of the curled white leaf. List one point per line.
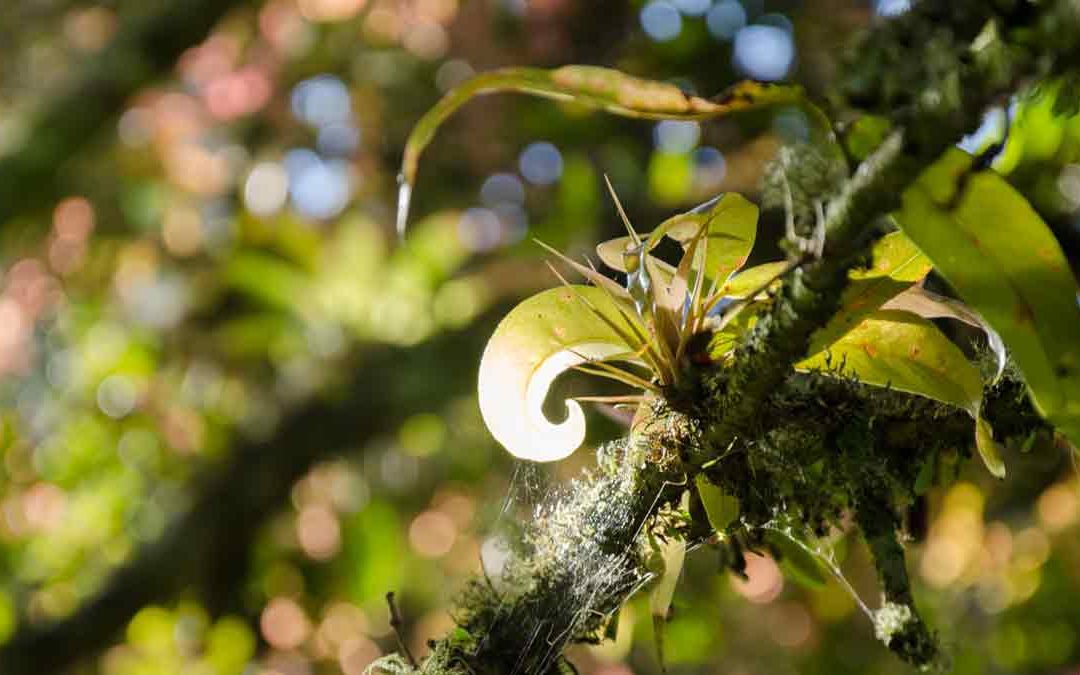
(540, 339)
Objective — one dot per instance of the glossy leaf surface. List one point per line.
(904, 352)
(897, 264)
(1003, 261)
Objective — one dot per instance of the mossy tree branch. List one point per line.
(932, 73)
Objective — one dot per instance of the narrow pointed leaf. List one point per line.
(897, 265)
(673, 554)
(988, 448)
(1004, 262)
(539, 339)
(589, 273)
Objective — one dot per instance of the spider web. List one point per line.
(572, 557)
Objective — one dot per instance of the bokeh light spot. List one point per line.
(692, 7)
(320, 100)
(432, 534)
(266, 189)
(763, 581)
(725, 19)
(318, 532)
(764, 52)
(892, 7)
(502, 188)
(541, 163)
(116, 396)
(676, 136)
(661, 20)
(284, 624)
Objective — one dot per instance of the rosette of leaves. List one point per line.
(644, 334)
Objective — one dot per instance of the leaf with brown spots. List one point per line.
(897, 265)
(1003, 261)
(906, 353)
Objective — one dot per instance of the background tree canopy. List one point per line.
(236, 409)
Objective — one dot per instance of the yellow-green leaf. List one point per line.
(988, 448)
(720, 507)
(542, 337)
(731, 227)
(753, 279)
(897, 264)
(1004, 262)
(904, 352)
(928, 305)
(729, 237)
(601, 88)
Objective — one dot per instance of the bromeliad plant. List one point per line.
(835, 436)
(668, 320)
(613, 331)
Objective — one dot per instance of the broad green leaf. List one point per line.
(795, 560)
(904, 352)
(720, 507)
(753, 279)
(928, 305)
(897, 264)
(542, 337)
(600, 88)
(1005, 263)
(731, 227)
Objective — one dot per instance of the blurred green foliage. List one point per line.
(223, 254)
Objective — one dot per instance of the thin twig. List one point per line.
(397, 624)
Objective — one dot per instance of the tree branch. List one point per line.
(924, 72)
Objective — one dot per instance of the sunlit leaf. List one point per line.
(897, 264)
(753, 279)
(721, 507)
(929, 305)
(542, 337)
(904, 352)
(612, 253)
(601, 88)
(988, 448)
(731, 227)
(1004, 262)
